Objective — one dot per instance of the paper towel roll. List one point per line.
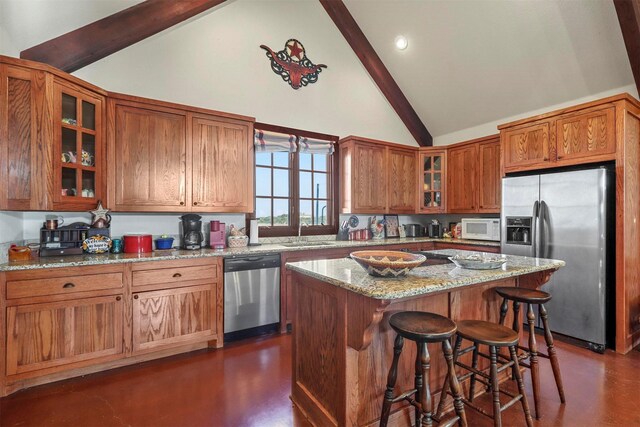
(253, 232)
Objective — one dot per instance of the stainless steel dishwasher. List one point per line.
(251, 295)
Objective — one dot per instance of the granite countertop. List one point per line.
(346, 273)
(172, 254)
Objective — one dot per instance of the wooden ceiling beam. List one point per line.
(629, 17)
(86, 45)
(376, 68)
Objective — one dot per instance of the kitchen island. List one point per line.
(342, 341)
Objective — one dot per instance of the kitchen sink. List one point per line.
(303, 244)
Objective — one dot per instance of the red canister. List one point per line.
(137, 243)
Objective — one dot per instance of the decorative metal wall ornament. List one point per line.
(292, 64)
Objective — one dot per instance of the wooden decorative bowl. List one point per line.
(387, 263)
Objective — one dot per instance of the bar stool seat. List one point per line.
(529, 296)
(487, 333)
(422, 328)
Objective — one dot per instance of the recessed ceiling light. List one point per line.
(401, 42)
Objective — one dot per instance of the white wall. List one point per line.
(492, 127)
(11, 226)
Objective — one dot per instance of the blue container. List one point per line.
(164, 243)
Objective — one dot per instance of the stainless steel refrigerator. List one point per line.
(567, 216)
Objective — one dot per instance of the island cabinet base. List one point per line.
(343, 346)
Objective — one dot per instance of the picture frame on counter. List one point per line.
(391, 229)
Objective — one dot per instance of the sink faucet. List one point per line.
(302, 224)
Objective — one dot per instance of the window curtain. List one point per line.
(270, 142)
(315, 146)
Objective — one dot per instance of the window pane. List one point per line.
(263, 182)
(281, 159)
(320, 185)
(69, 146)
(280, 212)
(305, 184)
(305, 161)
(305, 212)
(437, 163)
(320, 217)
(69, 115)
(320, 162)
(263, 159)
(88, 115)
(263, 211)
(281, 182)
(427, 163)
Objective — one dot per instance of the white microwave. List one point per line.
(481, 228)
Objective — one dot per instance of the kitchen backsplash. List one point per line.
(129, 223)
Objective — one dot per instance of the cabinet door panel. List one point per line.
(24, 121)
(489, 182)
(402, 188)
(462, 172)
(222, 166)
(369, 190)
(41, 336)
(527, 147)
(432, 181)
(586, 135)
(173, 316)
(150, 155)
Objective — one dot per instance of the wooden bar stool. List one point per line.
(422, 328)
(532, 297)
(496, 337)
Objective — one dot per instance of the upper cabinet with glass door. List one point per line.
(52, 140)
(432, 180)
(78, 147)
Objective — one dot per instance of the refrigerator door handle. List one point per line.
(543, 237)
(534, 234)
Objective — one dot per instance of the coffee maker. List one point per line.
(191, 236)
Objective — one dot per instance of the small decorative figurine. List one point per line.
(100, 217)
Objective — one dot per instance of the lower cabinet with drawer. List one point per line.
(64, 322)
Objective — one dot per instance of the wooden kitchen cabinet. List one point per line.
(222, 172)
(462, 179)
(149, 158)
(526, 147)
(401, 167)
(41, 336)
(377, 177)
(563, 138)
(473, 176)
(489, 177)
(586, 135)
(175, 303)
(172, 316)
(64, 322)
(181, 159)
(48, 120)
(432, 172)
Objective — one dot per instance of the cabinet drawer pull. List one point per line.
(177, 275)
(135, 297)
(195, 203)
(68, 285)
(181, 203)
(118, 298)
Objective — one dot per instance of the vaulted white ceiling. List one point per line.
(471, 62)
